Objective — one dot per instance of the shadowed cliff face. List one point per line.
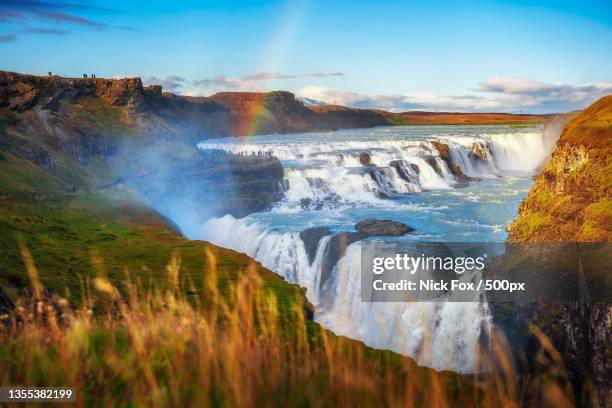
(569, 203)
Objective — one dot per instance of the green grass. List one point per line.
(92, 116)
(67, 231)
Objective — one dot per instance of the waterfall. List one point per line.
(330, 174)
(327, 176)
(438, 335)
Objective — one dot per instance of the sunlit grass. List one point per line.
(179, 347)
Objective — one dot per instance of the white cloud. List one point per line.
(500, 94)
(348, 98)
(255, 82)
(171, 83)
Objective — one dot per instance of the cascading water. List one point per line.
(404, 178)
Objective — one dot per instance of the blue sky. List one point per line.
(536, 56)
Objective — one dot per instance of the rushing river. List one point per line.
(326, 184)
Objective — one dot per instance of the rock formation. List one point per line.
(339, 242)
(372, 227)
(365, 159)
(569, 202)
(443, 150)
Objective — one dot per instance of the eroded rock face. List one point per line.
(311, 238)
(455, 169)
(433, 164)
(480, 151)
(553, 127)
(127, 92)
(442, 149)
(570, 202)
(216, 183)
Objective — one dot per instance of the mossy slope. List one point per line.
(571, 200)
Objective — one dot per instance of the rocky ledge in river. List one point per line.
(339, 242)
(444, 152)
(372, 227)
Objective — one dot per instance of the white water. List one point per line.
(326, 185)
(330, 175)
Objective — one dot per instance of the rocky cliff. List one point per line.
(570, 200)
(119, 132)
(569, 203)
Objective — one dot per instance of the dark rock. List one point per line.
(407, 171)
(6, 305)
(365, 159)
(367, 228)
(154, 90)
(373, 227)
(335, 251)
(434, 164)
(311, 238)
(459, 175)
(444, 152)
(220, 183)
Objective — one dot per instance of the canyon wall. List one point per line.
(98, 133)
(570, 202)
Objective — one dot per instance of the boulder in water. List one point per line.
(374, 228)
(339, 243)
(459, 175)
(444, 151)
(365, 159)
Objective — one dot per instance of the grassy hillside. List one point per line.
(67, 231)
(571, 199)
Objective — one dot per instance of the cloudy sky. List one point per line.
(510, 56)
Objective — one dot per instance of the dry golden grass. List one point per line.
(168, 348)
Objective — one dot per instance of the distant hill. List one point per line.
(152, 111)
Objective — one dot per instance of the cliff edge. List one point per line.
(569, 203)
(571, 199)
